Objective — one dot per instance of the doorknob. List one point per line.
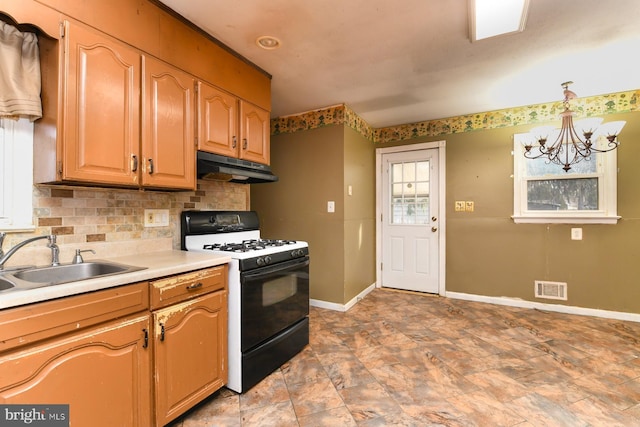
(434, 219)
(434, 229)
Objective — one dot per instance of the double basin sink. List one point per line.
(38, 277)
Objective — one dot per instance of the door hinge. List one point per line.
(62, 30)
(195, 140)
(59, 169)
(381, 266)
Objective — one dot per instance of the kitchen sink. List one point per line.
(55, 275)
(5, 284)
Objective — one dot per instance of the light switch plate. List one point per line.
(469, 206)
(156, 217)
(331, 206)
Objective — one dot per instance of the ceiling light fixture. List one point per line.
(268, 42)
(567, 148)
(490, 18)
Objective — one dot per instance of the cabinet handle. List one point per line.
(161, 331)
(194, 286)
(146, 338)
(150, 166)
(234, 144)
(134, 163)
(244, 143)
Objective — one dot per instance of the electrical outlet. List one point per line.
(156, 217)
(576, 234)
(331, 206)
(459, 206)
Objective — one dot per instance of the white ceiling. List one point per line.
(397, 62)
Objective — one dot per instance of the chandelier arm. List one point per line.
(611, 145)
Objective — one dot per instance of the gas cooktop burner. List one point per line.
(247, 245)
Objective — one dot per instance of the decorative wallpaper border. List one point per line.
(621, 102)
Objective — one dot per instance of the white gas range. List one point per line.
(268, 291)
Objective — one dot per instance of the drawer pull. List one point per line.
(161, 331)
(146, 338)
(194, 286)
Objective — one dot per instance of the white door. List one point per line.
(410, 232)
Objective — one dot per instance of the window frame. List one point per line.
(16, 176)
(607, 191)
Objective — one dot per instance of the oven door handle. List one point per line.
(281, 266)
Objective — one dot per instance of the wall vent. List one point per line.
(551, 290)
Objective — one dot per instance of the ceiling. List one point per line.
(398, 62)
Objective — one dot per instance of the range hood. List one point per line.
(222, 168)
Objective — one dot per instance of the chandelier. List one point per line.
(568, 148)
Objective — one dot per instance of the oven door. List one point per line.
(272, 299)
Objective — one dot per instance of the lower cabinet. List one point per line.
(102, 373)
(190, 341)
(135, 355)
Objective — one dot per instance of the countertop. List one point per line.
(158, 264)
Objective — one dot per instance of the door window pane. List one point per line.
(410, 192)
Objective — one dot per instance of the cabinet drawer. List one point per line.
(34, 322)
(184, 286)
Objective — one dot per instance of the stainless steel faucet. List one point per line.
(55, 251)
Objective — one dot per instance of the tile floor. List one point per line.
(401, 359)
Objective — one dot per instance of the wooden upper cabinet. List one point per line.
(114, 115)
(218, 121)
(168, 147)
(232, 127)
(101, 130)
(254, 133)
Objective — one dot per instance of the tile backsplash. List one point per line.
(111, 221)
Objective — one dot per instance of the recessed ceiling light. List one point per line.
(268, 42)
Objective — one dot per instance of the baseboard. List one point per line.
(341, 307)
(558, 308)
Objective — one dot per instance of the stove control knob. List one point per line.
(260, 261)
(267, 259)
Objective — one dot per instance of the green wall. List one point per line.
(316, 166)
(487, 254)
(359, 214)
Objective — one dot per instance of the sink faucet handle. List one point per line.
(2, 236)
(78, 258)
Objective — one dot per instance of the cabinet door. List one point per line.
(254, 133)
(217, 121)
(190, 341)
(168, 144)
(102, 374)
(101, 113)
